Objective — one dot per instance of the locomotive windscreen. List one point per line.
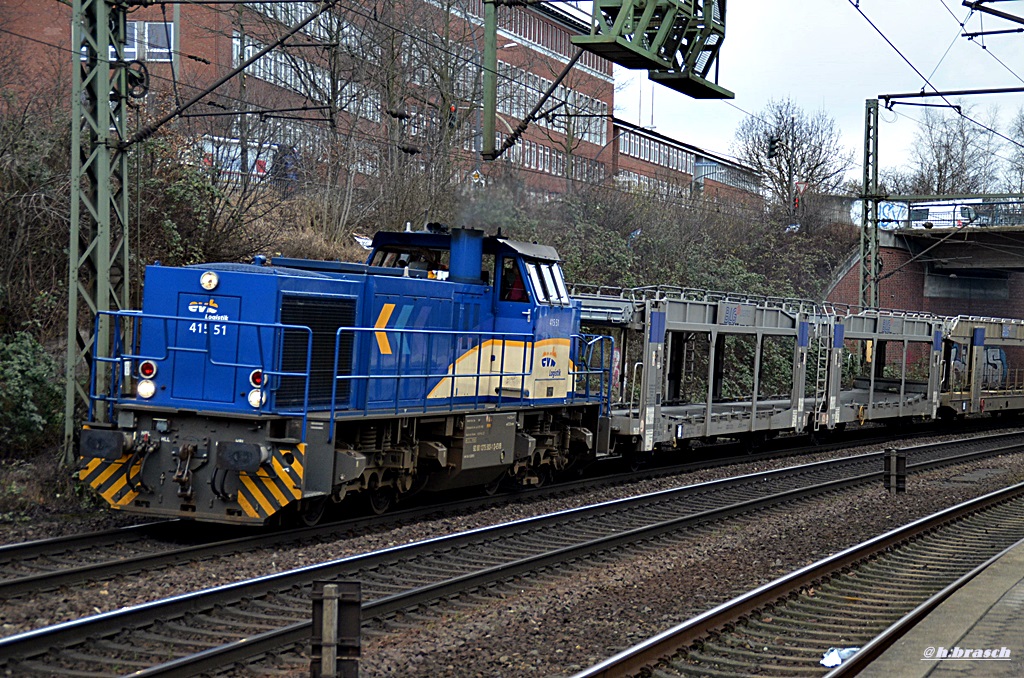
(323, 316)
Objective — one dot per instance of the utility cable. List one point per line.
(954, 107)
(956, 36)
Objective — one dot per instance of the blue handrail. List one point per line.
(122, 358)
(591, 351)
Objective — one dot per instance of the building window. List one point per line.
(130, 51)
(131, 44)
(159, 41)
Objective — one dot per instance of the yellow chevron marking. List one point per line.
(114, 489)
(103, 477)
(287, 479)
(255, 492)
(297, 464)
(247, 507)
(382, 321)
(89, 468)
(275, 490)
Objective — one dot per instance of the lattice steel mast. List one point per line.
(98, 246)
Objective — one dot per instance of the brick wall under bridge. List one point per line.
(922, 285)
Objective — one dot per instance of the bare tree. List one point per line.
(34, 189)
(807, 149)
(1014, 176)
(952, 154)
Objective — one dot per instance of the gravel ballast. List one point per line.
(559, 623)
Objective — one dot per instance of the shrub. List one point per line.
(31, 397)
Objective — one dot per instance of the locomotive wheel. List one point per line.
(544, 476)
(313, 512)
(491, 488)
(380, 499)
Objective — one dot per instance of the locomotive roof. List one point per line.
(282, 269)
(492, 244)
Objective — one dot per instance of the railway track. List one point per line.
(866, 597)
(204, 630)
(31, 568)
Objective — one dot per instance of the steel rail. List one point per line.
(215, 657)
(240, 650)
(121, 566)
(635, 659)
(44, 547)
(38, 642)
(874, 649)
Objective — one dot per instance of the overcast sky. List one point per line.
(824, 55)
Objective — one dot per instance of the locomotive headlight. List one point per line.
(146, 389)
(256, 398)
(209, 280)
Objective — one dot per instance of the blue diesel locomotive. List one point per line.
(245, 393)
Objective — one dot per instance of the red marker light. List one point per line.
(147, 369)
(256, 378)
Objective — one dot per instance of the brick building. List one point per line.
(399, 81)
(642, 157)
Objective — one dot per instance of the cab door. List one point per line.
(514, 314)
(532, 299)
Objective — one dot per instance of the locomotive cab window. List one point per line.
(513, 287)
(548, 283)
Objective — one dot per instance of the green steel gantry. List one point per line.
(675, 41)
(98, 246)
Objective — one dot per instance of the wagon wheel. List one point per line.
(752, 443)
(544, 476)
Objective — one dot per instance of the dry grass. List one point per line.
(41, 486)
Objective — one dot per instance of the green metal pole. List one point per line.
(490, 78)
(869, 210)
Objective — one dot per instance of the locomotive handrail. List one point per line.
(430, 334)
(121, 356)
(589, 342)
(670, 292)
(985, 318)
(667, 292)
(850, 310)
(480, 339)
(635, 392)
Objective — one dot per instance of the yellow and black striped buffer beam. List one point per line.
(113, 480)
(274, 486)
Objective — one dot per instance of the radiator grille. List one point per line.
(323, 317)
